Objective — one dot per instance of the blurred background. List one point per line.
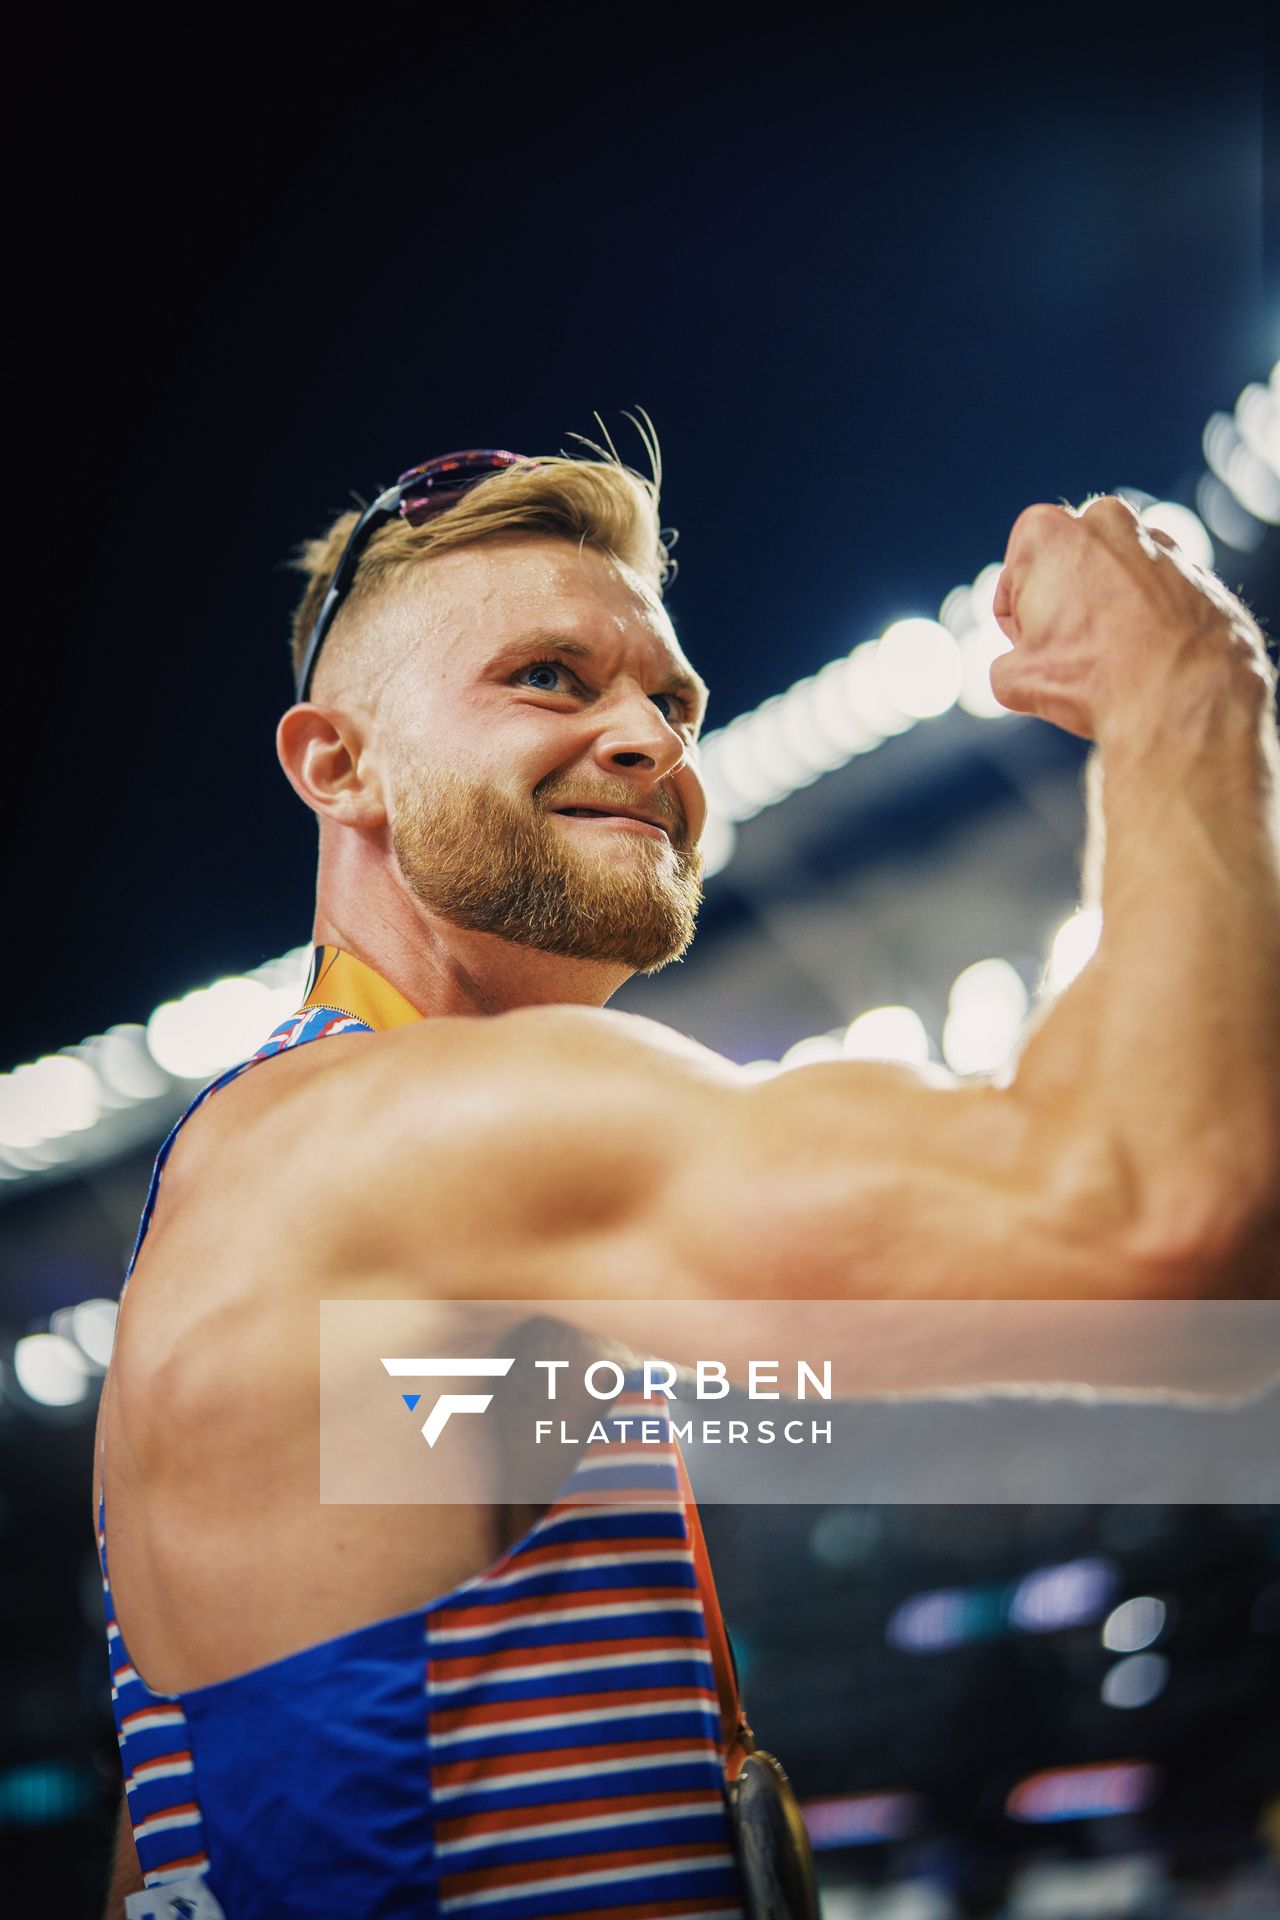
(879, 290)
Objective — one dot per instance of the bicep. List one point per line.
(871, 1181)
(633, 1190)
(545, 1151)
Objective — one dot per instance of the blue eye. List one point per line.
(551, 667)
(675, 711)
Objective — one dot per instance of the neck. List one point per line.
(442, 969)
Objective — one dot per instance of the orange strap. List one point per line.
(736, 1735)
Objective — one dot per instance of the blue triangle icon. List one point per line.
(411, 1400)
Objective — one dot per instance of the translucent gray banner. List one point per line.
(810, 1401)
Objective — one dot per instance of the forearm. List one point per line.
(1169, 1041)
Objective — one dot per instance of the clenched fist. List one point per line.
(1113, 627)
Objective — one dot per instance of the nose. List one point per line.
(633, 739)
(633, 734)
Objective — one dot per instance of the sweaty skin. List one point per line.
(543, 1148)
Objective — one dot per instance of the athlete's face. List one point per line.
(541, 736)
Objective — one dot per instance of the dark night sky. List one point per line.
(876, 293)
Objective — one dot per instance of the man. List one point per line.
(497, 731)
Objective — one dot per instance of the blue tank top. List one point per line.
(549, 1738)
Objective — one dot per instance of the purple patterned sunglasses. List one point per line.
(418, 495)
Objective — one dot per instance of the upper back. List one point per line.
(207, 1433)
(474, 1158)
(311, 1699)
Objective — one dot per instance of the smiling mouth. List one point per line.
(603, 817)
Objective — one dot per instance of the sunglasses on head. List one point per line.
(417, 496)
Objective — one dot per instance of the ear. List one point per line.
(328, 761)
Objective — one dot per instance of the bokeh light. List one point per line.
(216, 1026)
(919, 666)
(55, 1095)
(887, 1033)
(1135, 1682)
(1073, 946)
(1181, 525)
(50, 1370)
(987, 1005)
(1134, 1624)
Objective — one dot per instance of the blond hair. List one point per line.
(599, 502)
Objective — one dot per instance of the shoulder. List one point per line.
(491, 1129)
(444, 1069)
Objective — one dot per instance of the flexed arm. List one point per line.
(1136, 1151)
(552, 1153)
(1171, 1035)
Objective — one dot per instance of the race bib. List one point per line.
(190, 1898)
